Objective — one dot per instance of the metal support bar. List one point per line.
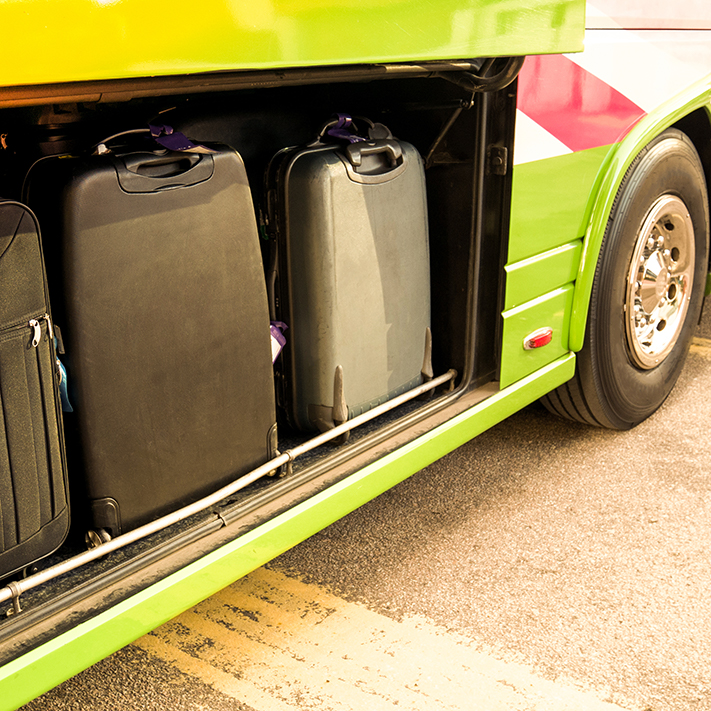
(14, 589)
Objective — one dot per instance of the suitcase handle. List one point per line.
(355, 152)
(149, 173)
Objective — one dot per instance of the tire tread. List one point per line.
(568, 402)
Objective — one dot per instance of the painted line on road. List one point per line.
(701, 346)
(276, 643)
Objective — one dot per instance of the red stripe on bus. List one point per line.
(579, 109)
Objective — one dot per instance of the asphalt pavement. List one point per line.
(544, 565)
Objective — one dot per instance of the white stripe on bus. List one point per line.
(533, 142)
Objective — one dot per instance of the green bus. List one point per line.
(568, 216)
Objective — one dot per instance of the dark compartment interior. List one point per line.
(468, 202)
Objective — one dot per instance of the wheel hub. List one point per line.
(659, 281)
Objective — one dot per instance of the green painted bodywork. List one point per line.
(550, 310)
(535, 276)
(76, 40)
(607, 184)
(539, 294)
(550, 207)
(550, 201)
(70, 653)
(560, 199)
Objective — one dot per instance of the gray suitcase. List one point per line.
(351, 277)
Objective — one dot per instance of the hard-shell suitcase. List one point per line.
(34, 510)
(166, 326)
(351, 276)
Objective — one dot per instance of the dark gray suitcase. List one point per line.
(166, 326)
(351, 277)
(34, 511)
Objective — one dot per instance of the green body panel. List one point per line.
(560, 199)
(533, 277)
(551, 204)
(603, 196)
(48, 41)
(70, 653)
(550, 310)
(550, 201)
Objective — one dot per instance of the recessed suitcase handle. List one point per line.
(355, 152)
(149, 173)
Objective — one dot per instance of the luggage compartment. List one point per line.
(34, 510)
(135, 338)
(352, 277)
(155, 264)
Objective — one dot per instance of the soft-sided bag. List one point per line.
(34, 510)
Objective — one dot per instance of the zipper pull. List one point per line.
(34, 324)
(50, 329)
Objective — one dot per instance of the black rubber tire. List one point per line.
(608, 389)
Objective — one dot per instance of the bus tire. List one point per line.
(647, 292)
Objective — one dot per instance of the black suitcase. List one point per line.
(350, 275)
(34, 510)
(166, 326)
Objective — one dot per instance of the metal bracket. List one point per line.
(16, 591)
(287, 469)
(497, 160)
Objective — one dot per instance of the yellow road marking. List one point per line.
(701, 346)
(276, 643)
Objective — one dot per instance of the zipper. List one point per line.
(34, 324)
(50, 328)
(36, 332)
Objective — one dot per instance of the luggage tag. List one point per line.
(165, 136)
(62, 372)
(63, 392)
(173, 140)
(342, 128)
(277, 337)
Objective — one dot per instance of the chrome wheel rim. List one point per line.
(659, 282)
